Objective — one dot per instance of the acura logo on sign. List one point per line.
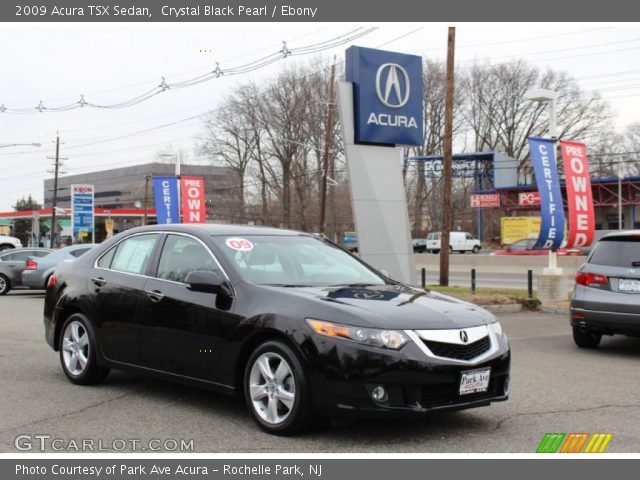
(389, 87)
(463, 336)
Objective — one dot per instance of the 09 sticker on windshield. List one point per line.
(239, 244)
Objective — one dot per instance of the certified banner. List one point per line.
(193, 206)
(543, 158)
(579, 196)
(165, 192)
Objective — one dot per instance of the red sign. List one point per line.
(192, 193)
(528, 198)
(485, 200)
(579, 197)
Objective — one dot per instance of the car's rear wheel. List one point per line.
(586, 339)
(78, 352)
(276, 389)
(5, 285)
(476, 249)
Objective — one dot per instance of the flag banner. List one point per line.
(579, 196)
(193, 207)
(543, 158)
(165, 192)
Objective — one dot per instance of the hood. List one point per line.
(390, 306)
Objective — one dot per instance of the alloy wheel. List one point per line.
(75, 348)
(272, 388)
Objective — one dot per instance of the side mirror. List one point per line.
(208, 282)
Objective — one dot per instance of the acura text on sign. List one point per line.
(387, 95)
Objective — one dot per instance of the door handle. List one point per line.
(99, 281)
(155, 295)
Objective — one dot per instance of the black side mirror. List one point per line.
(208, 282)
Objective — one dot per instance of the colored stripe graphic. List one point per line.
(550, 443)
(574, 442)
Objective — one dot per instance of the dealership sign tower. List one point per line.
(381, 108)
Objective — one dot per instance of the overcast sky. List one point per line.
(109, 63)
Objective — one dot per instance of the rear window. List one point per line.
(616, 252)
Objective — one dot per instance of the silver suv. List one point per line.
(606, 298)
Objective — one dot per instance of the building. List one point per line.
(132, 188)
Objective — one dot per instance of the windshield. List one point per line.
(294, 261)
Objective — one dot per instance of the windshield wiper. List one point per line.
(358, 285)
(286, 285)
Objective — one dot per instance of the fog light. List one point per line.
(379, 394)
(505, 387)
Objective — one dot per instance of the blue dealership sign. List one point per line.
(543, 157)
(388, 95)
(165, 192)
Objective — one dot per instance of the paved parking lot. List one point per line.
(555, 388)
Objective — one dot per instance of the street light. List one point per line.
(5, 145)
(541, 95)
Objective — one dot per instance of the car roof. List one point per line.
(622, 233)
(216, 229)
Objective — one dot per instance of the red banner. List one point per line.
(192, 194)
(485, 200)
(579, 196)
(528, 198)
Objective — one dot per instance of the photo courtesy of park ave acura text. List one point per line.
(311, 237)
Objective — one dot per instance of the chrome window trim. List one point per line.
(413, 335)
(160, 232)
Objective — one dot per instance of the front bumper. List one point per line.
(344, 374)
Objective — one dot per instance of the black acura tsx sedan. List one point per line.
(290, 322)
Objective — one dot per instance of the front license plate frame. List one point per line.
(474, 381)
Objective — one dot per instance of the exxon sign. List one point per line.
(387, 92)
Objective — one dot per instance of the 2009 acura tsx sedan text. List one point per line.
(287, 320)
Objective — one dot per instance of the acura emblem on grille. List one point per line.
(463, 336)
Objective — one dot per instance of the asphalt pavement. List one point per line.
(555, 387)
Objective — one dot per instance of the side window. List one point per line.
(133, 255)
(41, 253)
(9, 257)
(105, 260)
(79, 252)
(182, 255)
(468, 236)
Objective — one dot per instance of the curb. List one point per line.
(554, 310)
(508, 308)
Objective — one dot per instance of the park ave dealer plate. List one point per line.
(628, 285)
(474, 381)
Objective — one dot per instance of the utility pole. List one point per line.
(146, 198)
(54, 202)
(448, 159)
(328, 137)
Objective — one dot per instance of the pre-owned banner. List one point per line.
(165, 192)
(579, 196)
(543, 158)
(193, 206)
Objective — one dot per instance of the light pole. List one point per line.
(620, 219)
(550, 97)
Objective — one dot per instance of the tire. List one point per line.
(586, 339)
(435, 252)
(5, 284)
(475, 249)
(295, 413)
(450, 250)
(78, 342)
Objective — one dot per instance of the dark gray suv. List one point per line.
(606, 299)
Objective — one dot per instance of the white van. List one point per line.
(458, 242)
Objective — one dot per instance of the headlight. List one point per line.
(497, 328)
(392, 339)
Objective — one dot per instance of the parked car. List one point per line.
(7, 242)
(525, 247)
(291, 323)
(458, 242)
(12, 263)
(38, 270)
(606, 296)
(419, 245)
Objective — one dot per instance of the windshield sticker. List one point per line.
(239, 244)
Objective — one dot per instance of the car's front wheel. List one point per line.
(78, 352)
(586, 339)
(276, 389)
(476, 249)
(5, 285)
